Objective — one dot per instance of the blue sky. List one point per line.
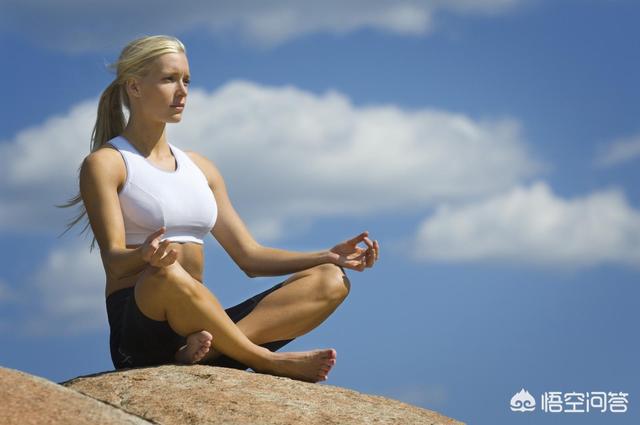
(492, 148)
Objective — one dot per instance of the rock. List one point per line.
(214, 395)
(30, 400)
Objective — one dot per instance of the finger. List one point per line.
(371, 258)
(359, 252)
(150, 249)
(376, 247)
(155, 242)
(161, 233)
(363, 261)
(359, 238)
(165, 261)
(370, 254)
(170, 258)
(159, 253)
(368, 242)
(360, 267)
(360, 257)
(157, 233)
(354, 265)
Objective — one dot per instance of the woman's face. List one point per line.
(161, 95)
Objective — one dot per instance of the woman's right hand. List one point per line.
(154, 251)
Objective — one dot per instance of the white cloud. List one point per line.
(620, 151)
(69, 288)
(287, 154)
(38, 169)
(75, 25)
(291, 153)
(533, 225)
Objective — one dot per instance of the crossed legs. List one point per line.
(304, 301)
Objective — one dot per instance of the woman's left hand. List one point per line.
(348, 254)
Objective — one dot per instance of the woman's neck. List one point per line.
(149, 138)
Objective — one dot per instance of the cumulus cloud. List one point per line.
(69, 288)
(75, 25)
(38, 169)
(533, 225)
(620, 151)
(288, 157)
(293, 153)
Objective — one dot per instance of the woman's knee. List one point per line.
(169, 279)
(333, 282)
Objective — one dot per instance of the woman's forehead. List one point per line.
(172, 62)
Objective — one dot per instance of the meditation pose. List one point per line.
(150, 204)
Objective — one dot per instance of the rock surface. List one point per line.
(213, 395)
(30, 400)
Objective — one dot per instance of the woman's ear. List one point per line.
(132, 87)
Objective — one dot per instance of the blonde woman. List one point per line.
(150, 204)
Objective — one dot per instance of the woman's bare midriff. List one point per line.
(190, 257)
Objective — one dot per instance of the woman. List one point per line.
(150, 204)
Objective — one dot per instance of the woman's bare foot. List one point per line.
(211, 355)
(198, 345)
(310, 366)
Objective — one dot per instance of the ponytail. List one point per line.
(109, 124)
(110, 121)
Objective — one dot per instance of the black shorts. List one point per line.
(136, 340)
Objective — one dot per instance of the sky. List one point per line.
(490, 146)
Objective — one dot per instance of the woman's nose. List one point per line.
(182, 88)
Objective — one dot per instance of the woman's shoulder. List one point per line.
(105, 155)
(105, 161)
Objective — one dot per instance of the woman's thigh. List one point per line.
(138, 340)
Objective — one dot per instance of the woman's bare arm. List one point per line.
(101, 174)
(230, 231)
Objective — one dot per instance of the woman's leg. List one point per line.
(171, 294)
(304, 301)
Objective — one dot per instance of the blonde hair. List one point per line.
(135, 60)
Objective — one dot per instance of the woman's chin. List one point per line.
(174, 118)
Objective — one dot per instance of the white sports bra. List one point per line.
(150, 198)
